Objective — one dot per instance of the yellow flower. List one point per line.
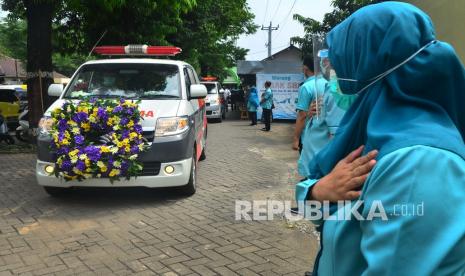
(92, 118)
(130, 123)
(72, 123)
(113, 150)
(67, 135)
(114, 172)
(85, 126)
(100, 164)
(127, 149)
(77, 171)
(65, 142)
(75, 130)
(109, 109)
(83, 156)
(83, 109)
(110, 121)
(133, 135)
(125, 141)
(103, 169)
(73, 153)
(104, 149)
(74, 159)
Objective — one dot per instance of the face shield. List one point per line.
(326, 73)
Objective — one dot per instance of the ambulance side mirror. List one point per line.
(55, 90)
(198, 91)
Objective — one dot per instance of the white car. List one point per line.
(169, 92)
(215, 100)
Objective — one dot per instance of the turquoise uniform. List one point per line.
(416, 122)
(319, 129)
(402, 245)
(252, 101)
(268, 96)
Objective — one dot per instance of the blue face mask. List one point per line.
(350, 86)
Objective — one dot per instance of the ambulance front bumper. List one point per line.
(179, 177)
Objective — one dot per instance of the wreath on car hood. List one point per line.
(97, 138)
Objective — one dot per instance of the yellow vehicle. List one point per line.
(10, 102)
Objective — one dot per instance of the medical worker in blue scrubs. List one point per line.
(409, 116)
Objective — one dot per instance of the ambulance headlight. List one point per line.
(171, 126)
(45, 125)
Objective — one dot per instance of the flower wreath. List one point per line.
(97, 138)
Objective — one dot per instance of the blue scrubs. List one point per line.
(319, 129)
(428, 241)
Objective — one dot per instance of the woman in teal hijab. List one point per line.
(411, 93)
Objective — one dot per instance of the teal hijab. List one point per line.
(420, 103)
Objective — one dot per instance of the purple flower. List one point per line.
(134, 149)
(79, 139)
(66, 165)
(63, 150)
(80, 165)
(125, 133)
(130, 111)
(124, 121)
(62, 125)
(80, 117)
(121, 101)
(118, 109)
(101, 113)
(138, 129)
(93, 153)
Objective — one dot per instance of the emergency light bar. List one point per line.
(136, 50)
(209, 78)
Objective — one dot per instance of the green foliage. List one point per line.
(13, 36)
(208, 34)
(206, 30)
(342, 10)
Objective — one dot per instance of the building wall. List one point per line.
(448, 17)
(289, 54)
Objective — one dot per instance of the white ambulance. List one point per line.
(171, 104)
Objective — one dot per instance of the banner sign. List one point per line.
(285, 88)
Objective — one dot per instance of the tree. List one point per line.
(312, 27)
(13, 36)
(208, 35)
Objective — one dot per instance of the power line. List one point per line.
(277, 8)
(270, 29)
(266, 11)
(263, 51)
(285, 19)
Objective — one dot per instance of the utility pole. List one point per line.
(269, 29)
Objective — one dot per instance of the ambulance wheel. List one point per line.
(190, 188)
(56, 191)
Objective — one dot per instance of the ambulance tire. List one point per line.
(190, 188)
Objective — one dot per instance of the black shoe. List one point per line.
(263, 129)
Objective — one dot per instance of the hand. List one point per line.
(345, 180)
(312, 110)
(296, 144)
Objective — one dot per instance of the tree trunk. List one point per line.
(39, 57)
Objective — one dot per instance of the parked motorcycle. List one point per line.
(4, 134)
(22, 132)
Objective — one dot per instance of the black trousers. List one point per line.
(267, 117)
(253, 117)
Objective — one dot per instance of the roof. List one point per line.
(10, 69)
(289, 50)
(232, 77)
(245, 67)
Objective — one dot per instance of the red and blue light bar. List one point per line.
(132, 50)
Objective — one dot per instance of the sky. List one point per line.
(280, 12)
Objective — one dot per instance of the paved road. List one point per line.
(149, 232)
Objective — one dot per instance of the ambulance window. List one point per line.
(193, 76)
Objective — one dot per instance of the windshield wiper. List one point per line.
(158, 96)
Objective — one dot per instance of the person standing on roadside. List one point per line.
(307, 94)
(267, 103)
(252, 104)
